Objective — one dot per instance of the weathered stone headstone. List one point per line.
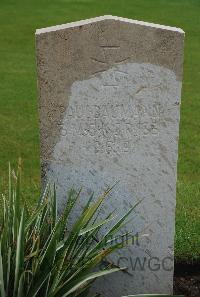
(109, 100)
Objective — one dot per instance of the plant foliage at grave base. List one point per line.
(39, 256)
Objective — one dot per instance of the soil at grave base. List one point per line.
(187, 278)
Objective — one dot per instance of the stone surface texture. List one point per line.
(109, 101)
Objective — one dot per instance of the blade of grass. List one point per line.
(2, 288)
(19, 254)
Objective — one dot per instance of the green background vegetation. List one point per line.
(18, 91)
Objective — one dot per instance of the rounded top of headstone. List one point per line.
(105, 18)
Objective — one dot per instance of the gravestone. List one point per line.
(109, 101)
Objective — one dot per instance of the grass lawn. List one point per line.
(18, 92)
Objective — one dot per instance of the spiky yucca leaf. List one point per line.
(19, 262)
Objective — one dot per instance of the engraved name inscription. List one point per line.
(113, 112)
(110, 127)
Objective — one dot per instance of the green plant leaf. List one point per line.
(95, 226)
(69, 289)
(2, 287)
(19, 254)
